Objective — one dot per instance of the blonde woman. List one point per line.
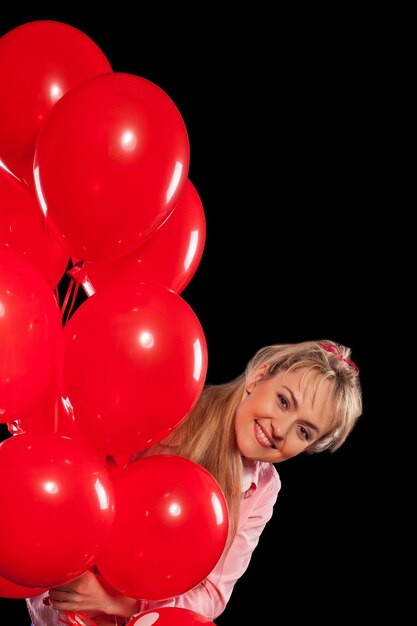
(292, 398)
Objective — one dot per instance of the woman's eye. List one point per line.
(305, 433)
(283, 401)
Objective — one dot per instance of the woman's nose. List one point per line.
(280, 428)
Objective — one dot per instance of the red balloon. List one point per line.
(110, 164)
(24, 230)
(11, 590)
(29, 323)
(169, 531)
(169, 616)
(170, 256)
(58, 505)
(131, 363)
(39, 62)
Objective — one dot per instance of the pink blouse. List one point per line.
(260, 487)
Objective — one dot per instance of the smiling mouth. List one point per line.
(261, 437)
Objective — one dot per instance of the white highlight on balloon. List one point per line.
(198, 359)
(129, 141)
(39, 192)
(146, 339)
(69, 409)
(102, 495)
(217, 508)
(192, 247)
(175, 509)
(51, 487)
(4, 166)
(174, 180)
(56, 93)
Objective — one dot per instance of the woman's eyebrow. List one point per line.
(293, 398)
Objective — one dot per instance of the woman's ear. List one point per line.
(255, 377)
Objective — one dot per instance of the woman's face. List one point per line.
(282, 415)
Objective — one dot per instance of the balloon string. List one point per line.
(81, 619)
(76, 619)
(67, 297)
(76, 286)
(74, 296)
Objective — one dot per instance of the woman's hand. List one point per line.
(86, 594)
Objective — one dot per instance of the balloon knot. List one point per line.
(77, 272)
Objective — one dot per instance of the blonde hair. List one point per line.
(207, 436)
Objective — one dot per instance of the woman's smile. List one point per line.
(262, 436)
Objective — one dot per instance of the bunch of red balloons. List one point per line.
(94, 174)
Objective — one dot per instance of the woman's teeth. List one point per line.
(262, 436)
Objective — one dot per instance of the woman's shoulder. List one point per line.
(156, 449)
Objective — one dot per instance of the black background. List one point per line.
(282, 122)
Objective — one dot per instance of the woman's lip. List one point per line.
(266, 435)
